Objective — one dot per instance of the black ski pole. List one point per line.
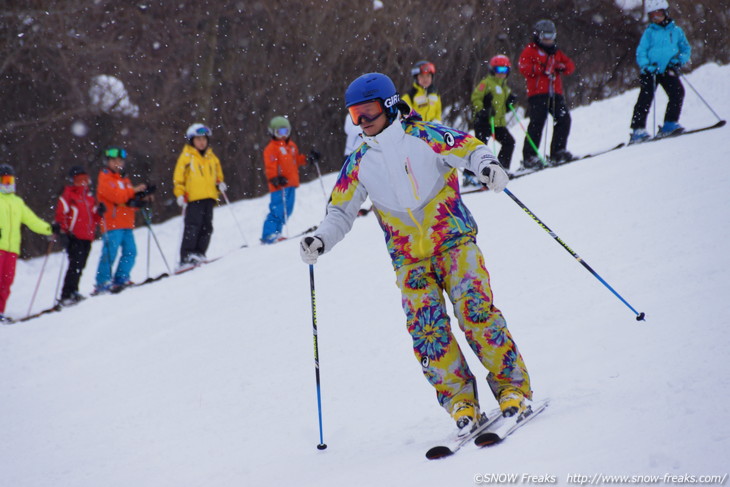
(639, 316)
(157, 242)
(40, 275)
(57, 296)
(149, 234)
(700, 96)
(322, 444)
(233, 214)
(653, 91)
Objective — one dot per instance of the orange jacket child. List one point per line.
(282, 158)
(281, 165)
(120, 198)
(114, 190)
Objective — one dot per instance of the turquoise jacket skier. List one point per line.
(662, 46)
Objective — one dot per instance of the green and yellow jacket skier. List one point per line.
(490, 101)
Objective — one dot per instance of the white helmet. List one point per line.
(652, 5)
(197, 129)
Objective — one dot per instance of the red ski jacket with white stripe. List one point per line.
(76, 212)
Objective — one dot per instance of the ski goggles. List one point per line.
(501, 69)
(367, 111)
(7, 179)
(425, 68)
(81, 180)
(282, 132)
(115, 153)
(548, 36)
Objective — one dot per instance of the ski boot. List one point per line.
(638, 136)
(669, 129)
(532, 162)
(465, 414)
(511, 402)
(102, 289)
(561, 157)
(66, 301)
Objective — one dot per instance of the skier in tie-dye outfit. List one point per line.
(408, 168)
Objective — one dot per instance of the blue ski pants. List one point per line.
(113, 240)
(277, 216)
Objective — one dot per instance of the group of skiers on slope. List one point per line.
(407, 164)
(197, 181)
(78, 216)
(662, 51)
(408, 167)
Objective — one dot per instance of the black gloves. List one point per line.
(278, 181)
(101, 209)
(511, 99)
(140, 197)
(58, 235)
(313, 157)
(487, 101)
(151, 188)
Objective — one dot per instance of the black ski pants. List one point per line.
(198, 228)
(483, 131)
(78, 252)
(672, 86)
(539, 108)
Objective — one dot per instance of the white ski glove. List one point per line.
(222, 187)
(310, 248)
(494, 177)
(181, 201)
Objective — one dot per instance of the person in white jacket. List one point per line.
(408, 168)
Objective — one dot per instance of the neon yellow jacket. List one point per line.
(13, 213)
(196, 176)
(426, 102)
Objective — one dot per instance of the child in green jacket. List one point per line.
(491, 100)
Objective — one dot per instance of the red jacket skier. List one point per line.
(542, 64)
(542, 68)
(78, 216)
(77, 212)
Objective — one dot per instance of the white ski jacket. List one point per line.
(409, 172)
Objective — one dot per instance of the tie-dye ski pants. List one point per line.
(461, 273)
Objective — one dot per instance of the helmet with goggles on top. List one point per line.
(369, 96)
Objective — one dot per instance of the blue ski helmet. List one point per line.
(374, 86)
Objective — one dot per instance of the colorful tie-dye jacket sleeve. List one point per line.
(347, 197)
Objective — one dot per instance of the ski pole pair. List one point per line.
(640, 316)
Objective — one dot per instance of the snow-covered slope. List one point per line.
(207, 378)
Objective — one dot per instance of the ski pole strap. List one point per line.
(529, 139)
(639, 316)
